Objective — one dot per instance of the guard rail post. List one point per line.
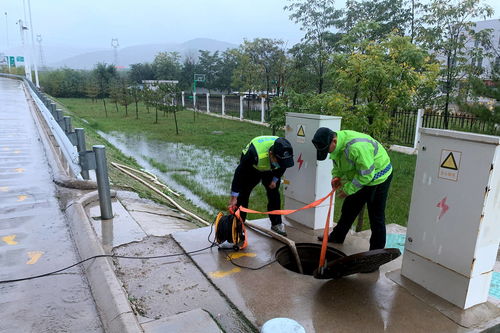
(103, 188)
(81, 147)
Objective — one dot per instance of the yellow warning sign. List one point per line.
(449, 162)
(449, 166)
(300, 131)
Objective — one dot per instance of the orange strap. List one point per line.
(324, 245)
(287, 211)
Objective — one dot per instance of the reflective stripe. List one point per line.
(367, 171)
(353, 141)
(382, 172)
(356, 183)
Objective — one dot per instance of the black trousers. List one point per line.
(251, 179)
(375, 198)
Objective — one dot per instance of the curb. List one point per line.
(110, 297)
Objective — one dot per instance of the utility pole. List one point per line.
(33, 50)
(27, 69)
(40, 52)
(115, 44)
(7, 30)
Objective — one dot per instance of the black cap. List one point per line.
(283, 151)
(322, 139)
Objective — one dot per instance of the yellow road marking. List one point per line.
(19, 170)
(34, 256)
(237, 255)
(9, 239)
(221, 274)
(21, 197)
(4, 188)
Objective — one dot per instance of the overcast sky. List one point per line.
(93, 23)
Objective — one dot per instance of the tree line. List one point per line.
(365, 62)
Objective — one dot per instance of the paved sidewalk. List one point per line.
(34, 237)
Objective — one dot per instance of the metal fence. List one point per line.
(404, 125)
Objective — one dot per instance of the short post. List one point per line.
(182, 98)
(194, 100)
(52, 109)
(67, 124)
(223, 105)
(418, 126)
(262, 109)
(208, 102)
(60, 118)
(81, 147)
(241, 107)
(101, 172)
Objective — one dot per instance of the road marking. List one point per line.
(221, 274)
(21, 197)
(34, 256)
(19, 170)
(240, 254)
(9, 239)
(4, 189)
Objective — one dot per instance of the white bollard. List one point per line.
(262, 109)
(282, 325)
(241, 107)
(223, 105)
(208, 102)
(183, 104)
(418, 126)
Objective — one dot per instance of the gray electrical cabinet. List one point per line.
(309, 179)
(454, 223)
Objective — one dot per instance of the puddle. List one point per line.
(210, 172)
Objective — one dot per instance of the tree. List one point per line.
(316, 17)
(391, 16)
(167, 66)
(115, 92)
(227, 64)
(189, 68)
(447, 28)
(266, 54)
(136, 94)
(124, 97)
(208, 64)
(103, 74)
(247, 75)
(166, 93)
(140, 72)
(91, 88)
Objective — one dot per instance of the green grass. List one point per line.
(197, 129)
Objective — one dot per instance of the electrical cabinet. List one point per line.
(309, 179)
(454, 222)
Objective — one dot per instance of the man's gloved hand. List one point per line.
(232, 207)
(272, 185)
(336, 183)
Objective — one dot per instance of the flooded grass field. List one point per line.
(200, 161)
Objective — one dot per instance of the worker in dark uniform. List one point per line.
(362, 173)
(264, 159)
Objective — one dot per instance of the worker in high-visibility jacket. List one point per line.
(264, 159)
(362, 173)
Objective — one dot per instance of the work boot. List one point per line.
(279, 229)
(330, 240)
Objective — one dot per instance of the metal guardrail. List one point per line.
(72, 144)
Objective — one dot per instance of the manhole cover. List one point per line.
(309, 257)
(363, 262)
(338, 263)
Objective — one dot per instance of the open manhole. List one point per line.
(309, 257)
(337, 263)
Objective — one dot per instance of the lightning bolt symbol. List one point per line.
(300, 161)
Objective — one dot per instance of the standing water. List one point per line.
(209, 172)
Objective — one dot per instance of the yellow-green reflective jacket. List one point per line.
(359, 160)
(262, 145)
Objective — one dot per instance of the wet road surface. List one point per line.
(34, 236)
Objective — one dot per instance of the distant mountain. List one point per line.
(51, 53)
(141, 53)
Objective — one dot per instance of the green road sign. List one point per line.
(12, 61)
(19, 59)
